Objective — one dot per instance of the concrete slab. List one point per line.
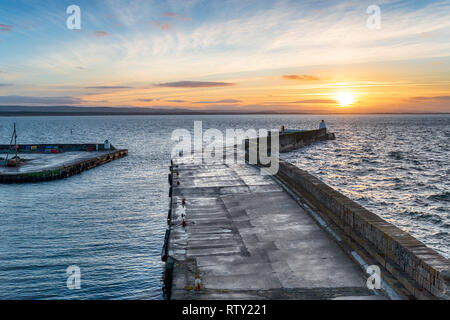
(248, 239)
(37, 162)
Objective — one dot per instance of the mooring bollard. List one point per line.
(197, 283)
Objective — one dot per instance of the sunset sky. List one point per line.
(303, 56)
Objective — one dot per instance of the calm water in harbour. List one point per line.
(110, 221)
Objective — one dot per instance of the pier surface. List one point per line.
(247, 238)
(70, 159)
(288, 236)
(36, 162)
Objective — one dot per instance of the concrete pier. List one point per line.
(291, 140)
(248, 239)
(70, 159)
(287, 236)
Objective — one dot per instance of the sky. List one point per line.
(301, 56)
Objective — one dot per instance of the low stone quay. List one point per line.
(66, 160)
(236, 234)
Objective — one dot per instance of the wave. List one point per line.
(397, 155)
(440, 197)
(429, 217)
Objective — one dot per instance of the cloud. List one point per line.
(300, 77)
(176, 101)
(316, 101)
(108, 87)
(40, 100)
(145, 100)
(229, 40)
(163, 26)
(220, 101)
(6, 27)
(436, 98)
(233, 40)
(5, 84)
(174, 15)
(195, 84)
(101, 34)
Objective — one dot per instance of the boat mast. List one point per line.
(15, 141)
(10, 142)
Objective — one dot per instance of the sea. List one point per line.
(110, 221)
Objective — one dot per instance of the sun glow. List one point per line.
(345, 98)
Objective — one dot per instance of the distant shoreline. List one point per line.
(68, 114)
(58, 111)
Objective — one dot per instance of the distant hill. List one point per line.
(68, 110)
(18, 111)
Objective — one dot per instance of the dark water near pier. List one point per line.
(110, 221)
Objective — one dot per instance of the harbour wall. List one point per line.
(61, 147)
(420, 269)
(65, 171)
(409, 266)
(292, 140)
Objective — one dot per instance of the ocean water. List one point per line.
(396, 166)
(110, 221)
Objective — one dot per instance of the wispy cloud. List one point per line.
(219, 101)
(237, 39)
(163, 26)
(300, 77)
(108, 87)
(435, 98)
(145, 100)
(176, 101)
(101, 34)
(6, 84)
(175, 15)
(6, 27)
(306, 41)
(195, 84)
(316, 101)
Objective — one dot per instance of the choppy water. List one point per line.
(110, 221)
(396, 166)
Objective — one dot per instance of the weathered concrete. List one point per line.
(37, 162)
(248, 239)
(294, 139)
(42, 166)
(66, 147)
(406, 263)
(288, 236)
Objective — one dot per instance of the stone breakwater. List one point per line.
(409, 266)
(243, 237)
(290, 236)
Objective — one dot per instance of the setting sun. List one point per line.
(345, 98)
